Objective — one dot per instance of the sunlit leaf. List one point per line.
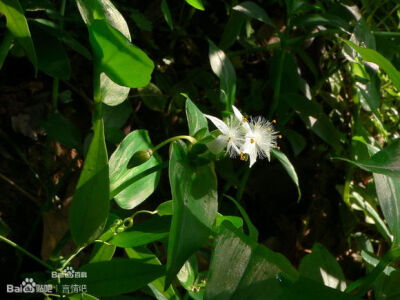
(322, 267)
(126, 192)
(375, 57)
(198, 4)
(223, 68)
(253, 10)
(194, 197)
(18, 26)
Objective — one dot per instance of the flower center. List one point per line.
(244, 120)
(242, 156)
(252, 141)
(229, 139)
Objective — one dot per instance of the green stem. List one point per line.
(27, 253)
(71, 257)
(175, 138)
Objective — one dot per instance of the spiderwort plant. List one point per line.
(248, 139)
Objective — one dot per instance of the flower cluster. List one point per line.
(253, 138)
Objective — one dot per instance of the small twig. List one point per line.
(26, 252)
(20, 189)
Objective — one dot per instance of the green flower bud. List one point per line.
(139, 158)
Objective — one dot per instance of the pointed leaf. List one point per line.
(288, 167)
(90, 205)
(124, 63)
(128, 193)
(18, 26)
(198, 4)
(195, 118)
(194, 196)
(254, 11)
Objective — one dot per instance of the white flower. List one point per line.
(231, 137)
(259, 139)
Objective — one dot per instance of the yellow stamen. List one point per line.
(279, 136)
(274, 121)
(256, 126)
(244, 120)
(279, 148)
(242, 156)
(229, 139)
(252, 141)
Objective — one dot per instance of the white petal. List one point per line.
(237, 113)
(232, 149)
(218, 144)
(250, 149)
(218, 123)
(241, 118)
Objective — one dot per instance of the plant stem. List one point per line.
(27, 253)
(175, 138)
(71, 257)
(243, 183)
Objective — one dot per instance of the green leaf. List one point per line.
(165, 209)
(18, 26)
(375, 57)
(154, 229)
(321, 266)
(62, 130)
(288, 167)
(152, 97)
(132, 193)
(51, 55)
(386, 161)
(118, 276)
(198, 4)
(236, 221)
(195, 118)
(90, 205)
(124, 63)
(167, 14)
(388, 191)
(156, 286)
(111, 93)
(254, 11)
(223, 68)
(232, 29)
(254, 270)
(194, 196)
(82, 296)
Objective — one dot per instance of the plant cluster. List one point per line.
(179, 219)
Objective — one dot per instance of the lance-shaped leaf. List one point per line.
(111, 93)
(198, 4)
(375, 57)
(90, 205)
(242, 269)
(388, 191)
(254, 11)
(125, 187)
(123, 62)
(223, 68)
(285, 162)
(117, 276)
(322, 267)
(194, 196)
(18, 26)
(196, 119)
(386, 161)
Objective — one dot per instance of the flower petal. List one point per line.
(218, 123)
(218, 144)
(241, 118)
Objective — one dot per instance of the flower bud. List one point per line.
(139, 158)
